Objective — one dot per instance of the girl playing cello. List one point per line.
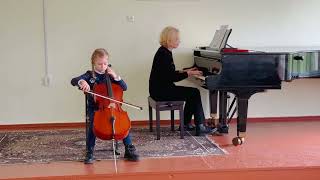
(86, 82)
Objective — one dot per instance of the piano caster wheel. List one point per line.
(237, 141)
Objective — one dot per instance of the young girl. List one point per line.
(85, 82)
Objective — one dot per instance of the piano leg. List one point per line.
(241, 121)
(213, 99)
(242, 98)
(223, 126)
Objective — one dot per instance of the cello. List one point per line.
(109, 98)
(110, 120)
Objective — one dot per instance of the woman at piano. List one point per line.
(163, 76)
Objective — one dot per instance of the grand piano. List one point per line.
(245, 73)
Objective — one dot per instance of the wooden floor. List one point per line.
(278, 150)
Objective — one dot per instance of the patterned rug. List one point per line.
(69, 145)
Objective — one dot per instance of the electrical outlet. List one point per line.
(130, 19)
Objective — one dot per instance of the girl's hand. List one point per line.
(112, 73)
(84, 86)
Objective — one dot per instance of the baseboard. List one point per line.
(140, 123)
(283, 119)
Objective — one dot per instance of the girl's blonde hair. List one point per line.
(98, 53)
(167, 35)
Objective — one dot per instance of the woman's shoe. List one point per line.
(203, 130)
(189, 127)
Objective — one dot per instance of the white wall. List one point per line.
(77, 27)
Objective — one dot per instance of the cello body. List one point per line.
(110, 120)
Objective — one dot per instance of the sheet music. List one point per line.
(220, 37)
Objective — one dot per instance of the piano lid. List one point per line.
(247, 71)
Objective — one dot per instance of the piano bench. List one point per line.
(165, 106)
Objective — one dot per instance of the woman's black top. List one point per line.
(163, 73)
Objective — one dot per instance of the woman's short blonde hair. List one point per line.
(167, 35)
